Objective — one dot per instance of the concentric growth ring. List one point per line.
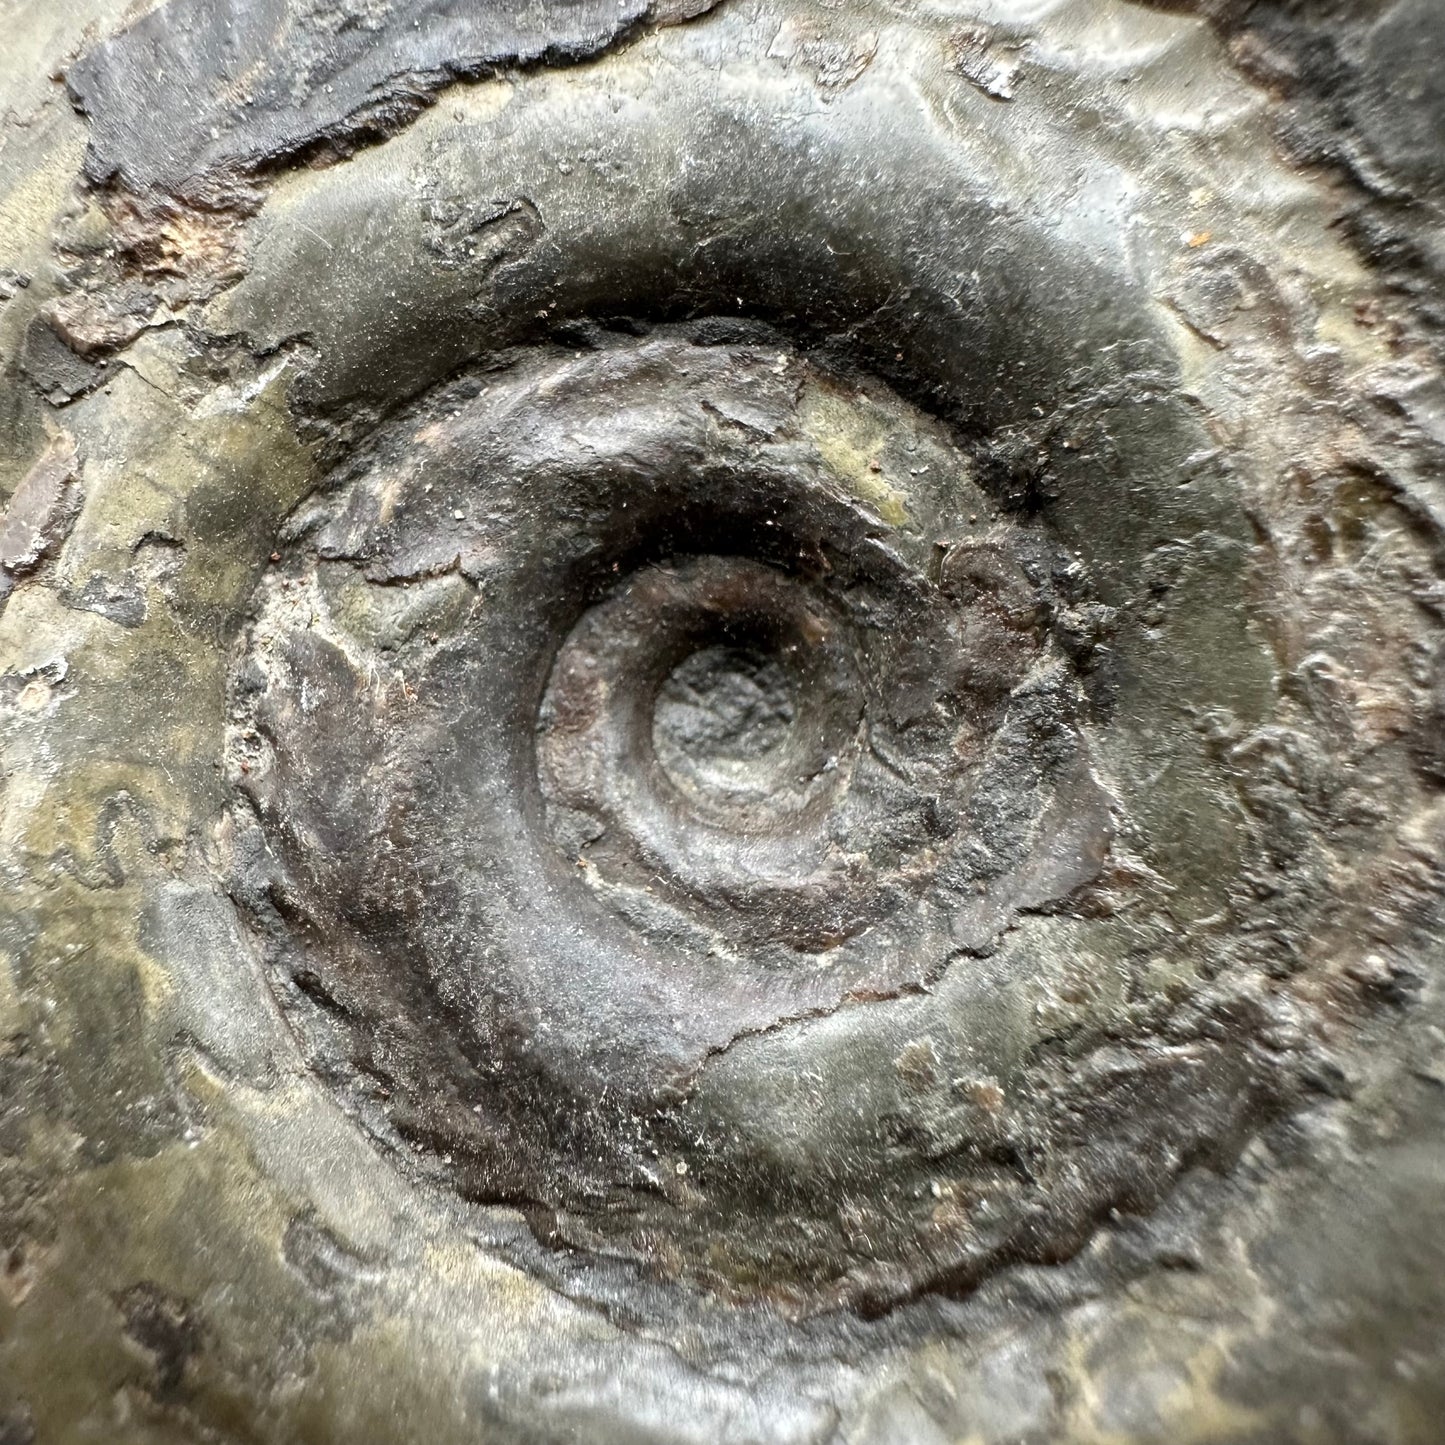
(649, 691)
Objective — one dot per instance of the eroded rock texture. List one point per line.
(722, 723)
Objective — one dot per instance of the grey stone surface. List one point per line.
(722, 724)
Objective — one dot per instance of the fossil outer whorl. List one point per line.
(983, 950)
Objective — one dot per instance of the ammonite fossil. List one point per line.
(723, 723)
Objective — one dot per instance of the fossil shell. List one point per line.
(736, 740)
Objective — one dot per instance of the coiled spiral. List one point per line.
(752, 757)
